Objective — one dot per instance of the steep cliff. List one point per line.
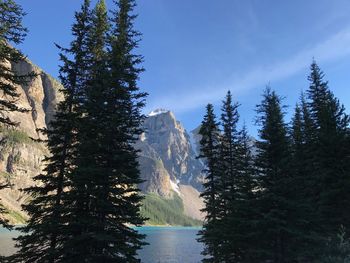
(40, 96)
(20, 156)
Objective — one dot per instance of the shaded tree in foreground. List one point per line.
(210, 153)
(104, 183)
(45, 233)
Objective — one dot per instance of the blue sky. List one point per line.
(196, 50)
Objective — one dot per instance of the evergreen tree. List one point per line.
(308, 126)
(275, 203)
(331, 166)
(243, 210)
(107, 172)
(229, 232)
(337, 248)
(210, 153)
(11, 31)
(301, 185)
(305, 161)
(46, 231)
(229, 145)
(230, 155)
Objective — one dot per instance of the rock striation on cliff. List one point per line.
(20, 156)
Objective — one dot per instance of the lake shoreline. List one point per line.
(166, 244)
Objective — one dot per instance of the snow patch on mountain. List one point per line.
(143, 137)
(175, 187)
(157, 112)
(193, 142)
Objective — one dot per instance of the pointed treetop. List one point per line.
(316, 76)
(101, 14)
(210, 109)
(85, 6)
(101, 5)
(123, 22)
(209, 121)
(229, 117)
(101, 9)
(99, 30)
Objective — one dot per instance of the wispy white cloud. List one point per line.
(335, 47)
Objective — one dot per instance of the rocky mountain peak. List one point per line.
(161, 119)
(158, 112)
(167, 143)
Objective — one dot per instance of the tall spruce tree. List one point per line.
(306, 231)
(42, 237)
(229, 145)
(242, 210)
(305, 161)
(229, 180)
(275, 203)
(12, 31)
(210, 235)
(128, 101)
(105, 182)
(247, 210)
(331, 166)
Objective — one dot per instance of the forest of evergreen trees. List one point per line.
(287, 200)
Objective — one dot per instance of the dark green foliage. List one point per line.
(210, 153)
(276, 204)
(229, 232)
(320, 165)
(84, 207)
(243, 211)
(337, 249)
(283, 205)
(331, 165)
(11, 31)
(162, 211)
(301, 186)
(11, 15)
(45, 232)
(104, 183)
(229, 173)
(236, 190)
(228, 153)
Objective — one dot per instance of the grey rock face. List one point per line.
(40, 96)
(21, 158)
(166, 141)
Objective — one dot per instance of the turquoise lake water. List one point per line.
(166, 244)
